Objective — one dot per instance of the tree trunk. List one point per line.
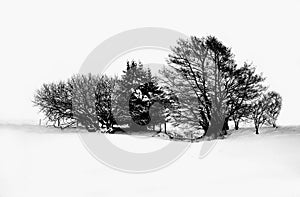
(226, 126)
(256, 130)
(236, 125)
(214, 130)
(165, 127)
(205, 130)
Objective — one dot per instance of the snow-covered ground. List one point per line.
(39, 162)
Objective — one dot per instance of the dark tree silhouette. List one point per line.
(207, 66)
(214, 89)
(83, 100)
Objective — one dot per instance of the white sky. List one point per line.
(48, 41)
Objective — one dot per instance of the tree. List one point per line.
(240, 115)
(248, 87)
(133, 77)
(91, 99)
(183, 110)
(274, 107)
(103, 97)
(259, 112)
(143, 105)
(266, 110)
(55, 101)
(214, 89)
(207, 66)
(132, 94)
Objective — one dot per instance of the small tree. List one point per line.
(266, 110)
(274, 107)
(259, 112)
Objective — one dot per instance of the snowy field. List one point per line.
(39, 162)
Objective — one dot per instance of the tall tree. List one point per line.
(214, 88)
(208, 68)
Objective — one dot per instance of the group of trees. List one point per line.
(217, 90)
(99, 102)
(202, 87)
(82, 100)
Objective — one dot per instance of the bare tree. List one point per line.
(55, 101)
(266, 110)
(259, 110)
(83, 99)
(185, 110)
(207, 67)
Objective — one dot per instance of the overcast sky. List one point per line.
(48, 41)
